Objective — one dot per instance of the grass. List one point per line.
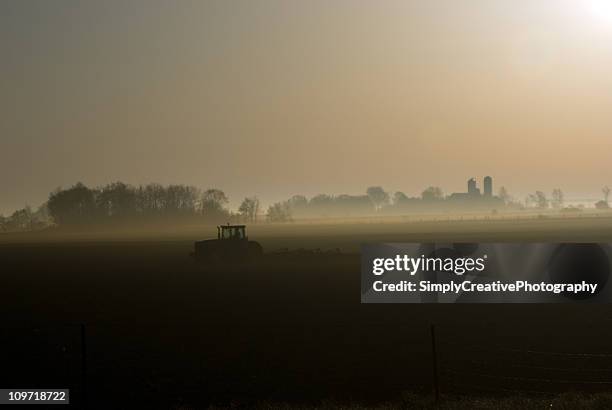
(565, 401)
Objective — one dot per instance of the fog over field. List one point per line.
(348, 234)
(185, 188)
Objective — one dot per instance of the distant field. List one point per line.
(287, 330)
(348, 234)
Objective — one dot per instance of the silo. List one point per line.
(488, 186)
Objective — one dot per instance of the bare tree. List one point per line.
(432, 193)
(73, 206)
(606, 192)
(21, 220)
(378, 196)
(504, 195)
(116, 200)
(541, 200)
(537, 200)
(399, 197)
(249, 208)
(298, 201)
(213, 205)
(279, 212)
(557, 198)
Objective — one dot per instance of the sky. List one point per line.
(281, 97)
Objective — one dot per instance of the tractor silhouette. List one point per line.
(231, 246)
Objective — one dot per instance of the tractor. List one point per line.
(231, 246)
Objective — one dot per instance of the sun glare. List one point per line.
(602, 10)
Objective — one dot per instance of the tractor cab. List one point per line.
(232, 232)
(231, 246)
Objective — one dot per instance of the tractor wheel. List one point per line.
(255, 251)
(210, 258)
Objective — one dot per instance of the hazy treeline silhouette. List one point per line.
(322, 205)
(25, 219)
(377, 201)
(118, 202)
(122, 204)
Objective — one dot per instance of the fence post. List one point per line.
(83, 367)
(434, 356)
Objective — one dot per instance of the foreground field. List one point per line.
(567, 401)
(163, 332)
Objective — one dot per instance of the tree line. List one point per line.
(120, 203)
(124, 204)
(377, 201)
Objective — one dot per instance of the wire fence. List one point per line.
(556, 365)
(493, 359)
